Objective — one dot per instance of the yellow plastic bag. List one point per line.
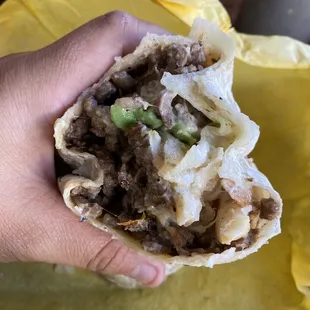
(271, 85)
(271, 52)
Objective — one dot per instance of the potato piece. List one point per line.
(232, 222)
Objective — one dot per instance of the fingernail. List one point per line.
(144, 273)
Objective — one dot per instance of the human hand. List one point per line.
(35, 89)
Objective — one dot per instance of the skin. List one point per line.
(35, 89)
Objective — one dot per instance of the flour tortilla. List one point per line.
(209, 91)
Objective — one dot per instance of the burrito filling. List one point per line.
(120, 125)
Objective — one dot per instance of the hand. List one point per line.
(35, 89)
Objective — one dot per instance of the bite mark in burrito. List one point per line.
(158, 150)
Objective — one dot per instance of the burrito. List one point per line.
(158, 154)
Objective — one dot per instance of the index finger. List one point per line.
(65, 68)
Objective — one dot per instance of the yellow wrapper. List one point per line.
(271, 52)
(271, 85)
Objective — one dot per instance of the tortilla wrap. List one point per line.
(222, 206)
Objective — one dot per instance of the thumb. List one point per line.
(66, 240)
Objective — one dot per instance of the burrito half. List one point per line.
(158, 150)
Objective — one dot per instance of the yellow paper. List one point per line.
(271, 52)
(277, 277)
